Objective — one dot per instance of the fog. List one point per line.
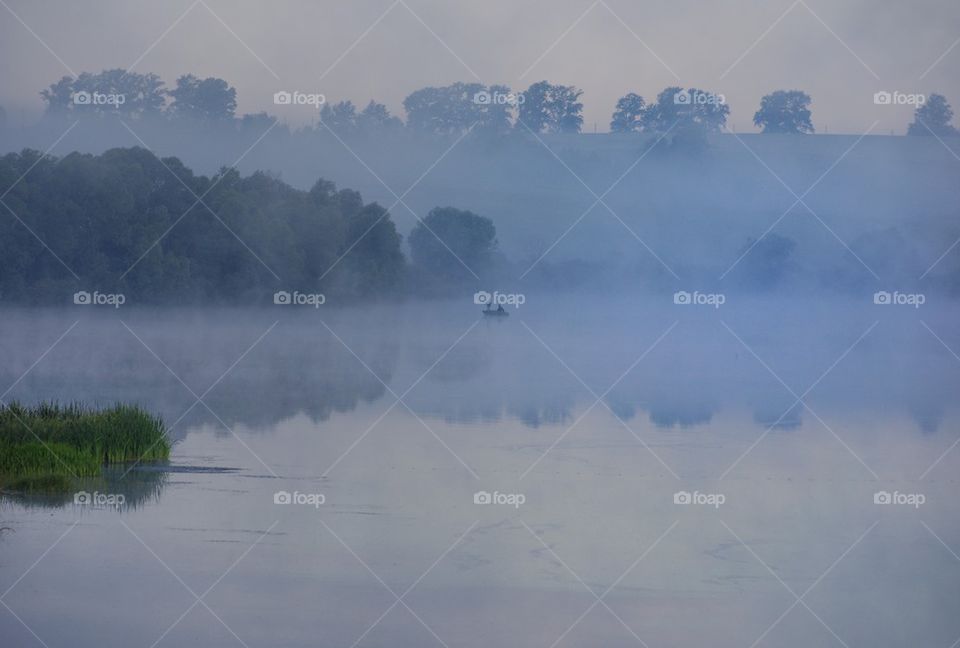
(863, 213)
(536, 370)
(431, 375)
(377, 49)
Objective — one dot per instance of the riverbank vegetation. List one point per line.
(48, 446)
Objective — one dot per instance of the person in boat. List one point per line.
(500, 308)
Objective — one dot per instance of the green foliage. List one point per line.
(126, 210)
(449, 243)
(784, 111)
(43, 446)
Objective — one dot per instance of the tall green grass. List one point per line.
(42, 447)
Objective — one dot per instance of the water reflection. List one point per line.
(532, 369)
(599, 443)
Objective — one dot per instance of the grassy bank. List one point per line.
(47, 446)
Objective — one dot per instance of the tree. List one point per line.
(933, 117)
(59, 96)
(784, 111)
(108, 92)
(374, 263)
(117, 220)
(449, 110)
(449, 243)
(341, 117)
(495, 107)
(684, 110)
(550, 108)
(375, 118)
(628, 116)
(208, 100)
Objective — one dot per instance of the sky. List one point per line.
(841, 52)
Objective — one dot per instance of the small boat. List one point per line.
(495, 312)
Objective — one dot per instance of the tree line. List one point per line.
(149, 228)
(453, 109)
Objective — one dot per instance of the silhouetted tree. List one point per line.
(256, 122)
(209, 99)
(340, 117)
(455, 108)
(375, 118)
(374, 264)
(444, 111)
(628, 115)
(686, 110)
(108, 92)
(449, 239)
(933, 117)
(495, 113)
(548, 108)
(784, 111)
(100, 214)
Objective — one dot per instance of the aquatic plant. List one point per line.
(42, 447)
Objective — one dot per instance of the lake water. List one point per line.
(786, 425)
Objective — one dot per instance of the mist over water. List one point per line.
(690, 401)
(510, 324)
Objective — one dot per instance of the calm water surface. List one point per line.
(591, 421)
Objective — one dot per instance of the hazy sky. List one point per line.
(840, 51)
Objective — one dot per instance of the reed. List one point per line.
(42, 447)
